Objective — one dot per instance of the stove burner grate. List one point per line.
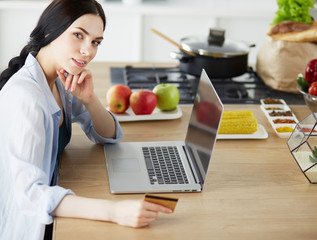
(245, 89)
(238, 93)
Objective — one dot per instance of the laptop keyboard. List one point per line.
(164, 165)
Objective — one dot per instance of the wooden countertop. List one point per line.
(254, 188)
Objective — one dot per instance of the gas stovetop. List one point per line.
(245, 89)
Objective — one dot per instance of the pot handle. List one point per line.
(250, 45)
(179, 56)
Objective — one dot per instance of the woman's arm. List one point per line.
(102, 120)
(133, 213)
(81, 86)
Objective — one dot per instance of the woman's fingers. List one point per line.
(68, 81)
(66, 78)
(74, 83)
(156, 207)
(71, 81)
(137, 213)
(150, 213)
(82, 77)
(61, 75)
(144, 222)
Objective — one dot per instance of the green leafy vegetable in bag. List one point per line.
(294, 10)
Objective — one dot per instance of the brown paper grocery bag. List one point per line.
(279, 62)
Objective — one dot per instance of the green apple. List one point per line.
(167, 96)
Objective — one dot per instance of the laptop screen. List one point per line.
(203, 126)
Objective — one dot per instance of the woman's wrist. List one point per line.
(103, 122)
(87, 208)
(103, 210)
(89, 101)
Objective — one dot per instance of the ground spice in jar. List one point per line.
(283, 113)
(284, 129)
(272, 101)
(279, 120)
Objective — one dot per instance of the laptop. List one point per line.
(171, 166)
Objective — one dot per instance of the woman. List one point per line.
(43, 91)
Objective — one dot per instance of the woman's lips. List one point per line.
(79, 63)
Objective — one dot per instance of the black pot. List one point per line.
(219, 57)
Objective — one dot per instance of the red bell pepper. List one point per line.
(311, 71)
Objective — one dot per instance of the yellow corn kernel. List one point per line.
(237, 114)
(240, 125)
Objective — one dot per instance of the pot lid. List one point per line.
(214, 45)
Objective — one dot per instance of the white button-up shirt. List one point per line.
(29, 127)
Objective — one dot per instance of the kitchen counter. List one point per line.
(254, 188)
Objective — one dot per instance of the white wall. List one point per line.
(127, 36)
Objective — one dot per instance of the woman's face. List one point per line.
(78, 45)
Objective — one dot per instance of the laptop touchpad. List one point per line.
(125, 165)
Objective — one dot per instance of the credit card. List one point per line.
(168, 202)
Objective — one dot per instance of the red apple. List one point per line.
(118, 98)
(143, 102)
(208, 113)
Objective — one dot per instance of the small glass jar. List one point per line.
(303, 145)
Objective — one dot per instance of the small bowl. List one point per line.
(311, 101)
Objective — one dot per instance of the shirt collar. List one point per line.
(38, 76)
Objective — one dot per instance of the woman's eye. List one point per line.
(78, 35)
(96, 43)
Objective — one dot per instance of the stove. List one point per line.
(244, 89)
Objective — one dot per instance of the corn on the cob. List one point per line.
(238, 122)
(237, 114)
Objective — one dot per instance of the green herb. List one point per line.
(313, 158)
(303, 84)
(294, 10)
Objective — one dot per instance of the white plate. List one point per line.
(157, 114)
(260, 134)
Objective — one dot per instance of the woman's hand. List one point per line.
(81, 85)
(136, 213)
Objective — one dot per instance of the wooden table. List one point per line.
(254, 188)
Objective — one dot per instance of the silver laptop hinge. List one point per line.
(191, 164)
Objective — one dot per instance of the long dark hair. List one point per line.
(55, 19)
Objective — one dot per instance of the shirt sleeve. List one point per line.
(29, 155)
(82, 117)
